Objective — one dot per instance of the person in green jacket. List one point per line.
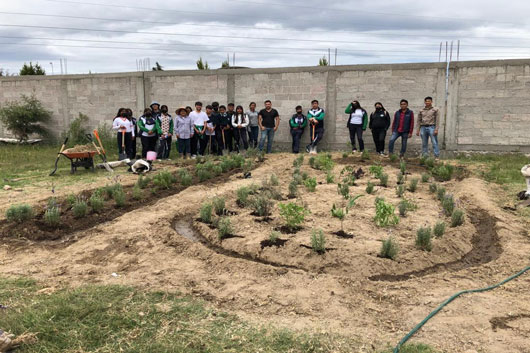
(357, 123)
(148, 132)
(164, 128)
(315, 116)
(297, 123)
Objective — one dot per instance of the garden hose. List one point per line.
(453, 297)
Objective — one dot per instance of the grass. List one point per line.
(110, 319)
(413, 348)
(498, 168)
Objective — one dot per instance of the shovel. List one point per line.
(312, 147)
(58, 156)
(103, 155)
(224, 143)
(123, 154)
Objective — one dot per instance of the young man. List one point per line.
(253, 125)
(316, 123)
(403, 126)
(428, 122)
(199, 119)
(268, 122)
(222, 125)
(229, 133)
(210, 129)
(297, 123)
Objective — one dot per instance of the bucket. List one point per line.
(151, 156)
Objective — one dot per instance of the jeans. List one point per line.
(184, 146)
(269, 134)
(425, 133)
(395, 135)
(253, 136)
(356, 130)
(379, 135)
(165, 148)
(240, 135)
(297, 135)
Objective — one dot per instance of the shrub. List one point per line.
(383, 180)
(25, 118)
(433, 188)
(311, 184)
(164, 180)
(143, 181)
(293, 189)
(247, 166)
(339, 213)
(389, 249)
(440, 192)
(413, 185)
(205, 213)
(243, 194)
(274, 236)
(312, 160)
(237, 160)
(384, 214)
(109, 190)
(96, 202)
(330, 179)
(423, 239)
(274, 180)
(225, 165)
(429, 162)
(137, 193)
(297, 163)
(457, 218)
(400, 178)
(80, 208)
(448, 204)
(343, 190)
(19, 213)
(365, 156)
(322, 162)
(204, 174)
(348, 175)
(52, 216)
(400, 190)
(77, 130)
(217, 170)
(120, 198)
(443, 172)
(262, 206)
(425, 178)
(293, 215)
(71, 199)
(393, 157)
(376, 170)
(318, 241)
(369, 187)
(402, 207)
(439, 229)
(345, 154)
(297, 178)
(224, 227)
(402, 167)
(422, 160)
(219, 205)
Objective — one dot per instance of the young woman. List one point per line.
(184, 131)
(125, 133)
(297, 123)
(135, 123)
(240, 122)
(379, 124)
(147, 127)
(164, 127)
(253, 127)
(357, 122)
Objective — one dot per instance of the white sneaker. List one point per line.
(193, 156)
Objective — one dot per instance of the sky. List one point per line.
(115, 36)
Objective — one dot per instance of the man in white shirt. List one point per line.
(199, 119)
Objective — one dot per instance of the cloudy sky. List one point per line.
(97, 36)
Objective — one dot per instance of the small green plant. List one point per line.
(262, 205)
(137, 193)
(440, 193)
(109, 190)
(293, 189)
(204, 174)
(457, 218)
(448, 204)
(339, 213)
(143, 181)
(365, 156)
(293, 215)
(402, 207)
(311, 184)
(383, 180)
(439, 229)
(185, 177)
(433, 188)
(71, 199)
(322, 162)
(393, 157)
(376, 170)
(224, 228)
(389, 249)
(343, 190)
(96, 202)
(425, 178)
(400, 178)
(120, 198)
(330, 179)
(52, 216)
(403, 167)
(312, 160)
(384, 214)
(370, 187)
(219, 205)
(274, 180)
(205, 213)
(345, 154)
(80, 208)
(318, 241)
(164, 180)
(247, 166)
(297, 163)
(413, 184)
(297, 178)
(443, 172)
(243, 194)
(19, 213)
(429, 162)
(422, 160)
(348, 175)
(400, 190)
(274, 236)
(217, 170)
(423, 239)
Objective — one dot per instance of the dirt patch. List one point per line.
(269, 243)
(502, 322)
(343, 234)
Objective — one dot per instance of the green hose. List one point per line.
(453, 297)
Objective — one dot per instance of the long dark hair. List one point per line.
(120, 111)
(381, 104)
(242, 113)
(356, 101)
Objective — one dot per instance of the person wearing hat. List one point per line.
(297, 123)
(184, 131)
(155, 109)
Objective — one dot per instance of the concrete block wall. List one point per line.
(487, 108)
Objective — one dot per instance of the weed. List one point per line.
(433, 188)
(322, 162)
(262, 205)
(143, 181)
(219, 205)
(293, 215)
(400, 190)
(403, 167)
(443, 172)
(224, 227)
(376, 170)
(311, 184)
(120, 198)
(423, 239)
(80, 208)
(440, 193)
(384, 214)
(205, 213)
(293, 189)
(457, 218)
(318, 241)
(274, 180)
(330, 179)
(389, 249)
(369, 187)
(413, 185)
(383, 180)
(137, 193)
(393, 157)
(439, 229)
(52, 216)
(343, 190)
(425, 178)
(400, 178)
(97, 203)
(164, 180)
(365, 156)
(448, 204)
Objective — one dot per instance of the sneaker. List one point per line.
(354, 151)
(193, 156)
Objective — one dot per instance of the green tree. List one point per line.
(323, 61)
(225, 64)
(25, 118)
(158, 67)
(202, 65)
(32, 69)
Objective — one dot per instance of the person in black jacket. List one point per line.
(379, 124)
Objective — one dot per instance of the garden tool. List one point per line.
(224, 143)
(58, 156)
(102, 154)
(312, 147)
(123, 154)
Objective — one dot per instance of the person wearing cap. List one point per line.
(164, 127)
(297, 124)
(315, 117)
(184, 131)
(199, 119)
(155, 109)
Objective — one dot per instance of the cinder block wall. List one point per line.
(487, 107)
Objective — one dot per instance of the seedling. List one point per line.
(143, 181)
(164, 180)
(79, 208)
(293, 189)
(243, 194)
(413, 185)
(205, 213)
(402, 207)
(262, 206)
(274, 180)
(71, 199)
(365, 156)
(383, 180)
(204, 175)
(318, 241)
(376, 170)
(423, 239)
(219, 205)
(224, 227)
(393, 157)
(185, 177)
(400, 190)
(137, 193)
(348, 176)
(425, 178)
(274, 236)
(448, 204)
(440, 193)
(293, 215)
(369, 187)
(443, 172)
(305, 176)
(97, 203)
(311, 184)
(330, 179)
(433, 188)
(120, 198)
(19, 213)
(384, 214)
(457, 218)
(400, 178)
(429, 162)
(389, 249)
(322, 162)
(439, 229)
(339, 213)
(247, 166)
(343, 190)
(297, 163)
(52, 216)
(403, 167)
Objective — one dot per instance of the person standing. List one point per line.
(268, 122)
(402, 126)
(229, 132)
(199, 119)
(297, 124)
(155, 109)
(184, 131)
(240, 122)
(165, 126)
(357, 122)
(135, 123)
(428, 122)
(222, 125)
(379, 124)
(210, 129)
(125, 135)
(147, 127)
(315, 117)
(253, 127)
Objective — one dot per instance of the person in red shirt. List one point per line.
(403, 126)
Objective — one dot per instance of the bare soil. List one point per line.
(347, 290)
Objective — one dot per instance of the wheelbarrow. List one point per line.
(80, 159)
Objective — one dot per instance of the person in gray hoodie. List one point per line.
(184, 131)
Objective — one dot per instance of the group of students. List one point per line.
(220, 128)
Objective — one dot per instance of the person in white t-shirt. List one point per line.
(357, 123)
(199, 119)
(125, 135)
